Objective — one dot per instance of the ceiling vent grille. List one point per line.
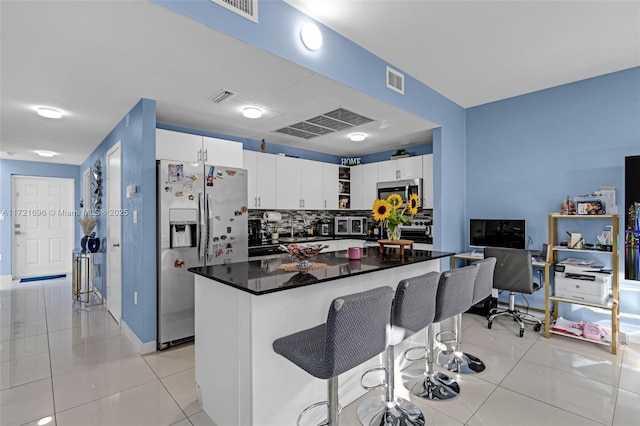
(245, 8)
(326, 123)
(395, 80)
(221, 96)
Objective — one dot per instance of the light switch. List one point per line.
(135, 216)
(1, 217)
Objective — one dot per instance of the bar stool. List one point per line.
(354, 333)
(413, 309)
(455, 291)
(455, 360)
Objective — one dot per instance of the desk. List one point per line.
(472, 256)
(86, 267)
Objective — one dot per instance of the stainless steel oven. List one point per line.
(349, 225)
(405, 188)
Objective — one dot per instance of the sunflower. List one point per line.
(395, 200)
(381, 210)
(413, 204)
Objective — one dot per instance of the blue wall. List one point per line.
(27, 168)
(527, 153)
(136, 131)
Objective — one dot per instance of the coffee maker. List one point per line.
(257, 232)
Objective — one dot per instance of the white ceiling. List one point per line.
(94, 60)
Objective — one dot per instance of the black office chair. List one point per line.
(513, 272)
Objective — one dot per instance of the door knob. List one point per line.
(116, 245)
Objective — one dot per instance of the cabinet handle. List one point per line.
(199, 154)
(255, 201)
(259, 202)
(325, 204)
(206, 155)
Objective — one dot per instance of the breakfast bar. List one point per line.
(241, 308)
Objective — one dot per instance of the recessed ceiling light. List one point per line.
(49, 112)
(45, 421)
(311, 36)
(252, 112)
(357, 137)
(43, 153)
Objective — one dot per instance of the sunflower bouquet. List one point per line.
(391, 213)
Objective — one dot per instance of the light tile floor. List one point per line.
(61, 360)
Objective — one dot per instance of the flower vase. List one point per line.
(393, 234)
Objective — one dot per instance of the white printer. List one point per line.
(584, 283)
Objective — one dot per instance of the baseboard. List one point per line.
(143, 348)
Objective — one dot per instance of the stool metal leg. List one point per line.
(390, 410)
(430, 384)
(456, 360)
(332, 398)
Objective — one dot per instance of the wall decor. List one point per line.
(96, 187)
(632, 218)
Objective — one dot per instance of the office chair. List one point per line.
(513, 272)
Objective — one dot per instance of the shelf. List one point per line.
(608, 305)
(612, 304)
(562, 248)
(573, 336)
(346, 194)
(581, 216)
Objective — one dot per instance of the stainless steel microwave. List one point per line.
(403, 187)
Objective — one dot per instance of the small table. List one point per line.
(86, 268)
(401, 243)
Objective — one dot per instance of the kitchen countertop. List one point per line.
(265, 276)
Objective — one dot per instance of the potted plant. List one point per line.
(275, 234)
(391, 213)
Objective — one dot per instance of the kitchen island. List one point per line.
(241, 308)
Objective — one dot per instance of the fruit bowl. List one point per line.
(303, 253)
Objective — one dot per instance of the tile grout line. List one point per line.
(46, 321)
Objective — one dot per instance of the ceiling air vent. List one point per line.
(395, 80)
(244, 8)
(323, 124)
(221, 96)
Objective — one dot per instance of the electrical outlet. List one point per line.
(135, 297)
(135, 216)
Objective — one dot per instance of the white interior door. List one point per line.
(114, 232)
(42, 221)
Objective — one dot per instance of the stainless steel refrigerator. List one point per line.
(202, 220)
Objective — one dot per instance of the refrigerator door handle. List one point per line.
(201, 227)
(209, 213)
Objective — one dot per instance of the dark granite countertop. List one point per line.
(264, 276)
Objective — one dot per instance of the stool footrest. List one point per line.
(311, 407)
(371, 370)
(406, 353)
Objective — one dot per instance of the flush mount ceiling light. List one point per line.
(252, 112)
(357, 137)
(49, 112)
(311, 36)
(43, 153)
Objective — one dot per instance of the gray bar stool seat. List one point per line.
(455, 292)
(413, 309)
(455, 360)
(354, 333)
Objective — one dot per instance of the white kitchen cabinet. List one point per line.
(178, 146)
(330, 186)
(400, 169)
(261, 169)
(190, 148)
(363, 186)
(222, 152)
(306, 184)
(311, 184)
(427, 181)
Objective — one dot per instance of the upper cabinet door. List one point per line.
(178, 146)
(370, 179)
(222, 152)
(288, 183)
(312, 184)
(261, 169)
(427, 181)
(357, 187)
(387, 171)
(330, 186)
(409, 168)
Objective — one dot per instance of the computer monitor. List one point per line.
(509, 233)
